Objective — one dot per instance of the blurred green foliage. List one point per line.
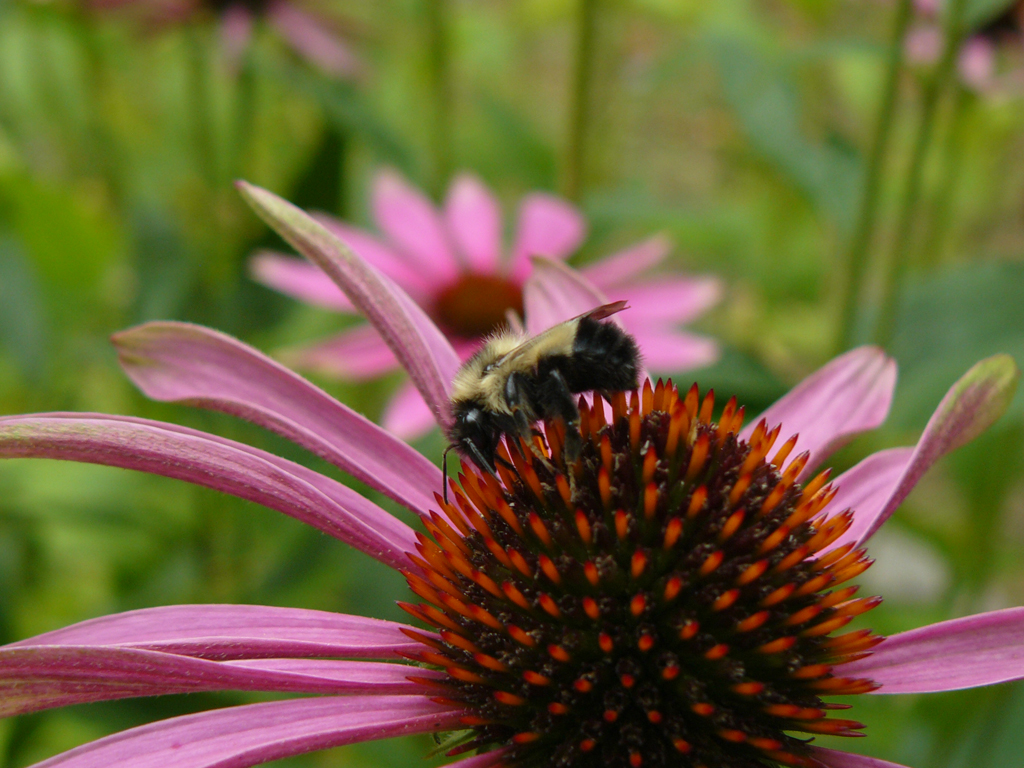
(739, 127)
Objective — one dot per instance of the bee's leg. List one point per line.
(562, 405)
(523, 415)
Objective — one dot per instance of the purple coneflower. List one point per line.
(685, 607)
(306, 26)
(451, 263)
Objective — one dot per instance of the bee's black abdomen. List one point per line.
(604, 357)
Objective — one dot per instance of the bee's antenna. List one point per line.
(444, 471)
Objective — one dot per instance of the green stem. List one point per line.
(245, 114)
(199, 92)
(896, 269)
(582, 99)
(441, 86)
(952, 154)
(855, 258)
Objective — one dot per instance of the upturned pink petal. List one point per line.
(178, 362)
(34, 678)
(473, 217)
(258, 733)
(668, 350)
(669, 300)
(418, 284)
(849, 395)
(549, 227)
(300, 280)
(164, 449)
(358, 354)
(963, 653)
(309, 37)
(411, 222)
(406, 415)
(416, 341)
(224, 632)
(555, 293)
(831, 758)
(486, 760)
(877, 486)
(624, 266)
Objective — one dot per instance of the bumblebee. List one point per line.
(514, 381)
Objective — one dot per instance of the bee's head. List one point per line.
(474, 434)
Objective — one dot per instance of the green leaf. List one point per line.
(22, 319)
(946, 324)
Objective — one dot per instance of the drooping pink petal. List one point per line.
(406, 415)
(235, 32)
(411, 222)
(356, 354)
(555, 293)
(963, 653)
(473, 217)
(225, 632)
(486, 760)
(257, 733)
(972, 405)
(418, 283)
(834, 759)
(33, 678)
(548, 226)
(171, 451)
(669, 351)
(299, 279)
(851, 394)
(310, 37)
(628, 264)
(178, 362)
(416, 341)
(668, 300)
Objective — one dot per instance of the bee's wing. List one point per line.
(597, 313)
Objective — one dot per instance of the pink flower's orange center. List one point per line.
(475, 305)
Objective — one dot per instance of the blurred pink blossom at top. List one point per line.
(452, 261)
(308, 28)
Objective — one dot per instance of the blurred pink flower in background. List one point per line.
(452, 262)
(978, 57)
(307, 26)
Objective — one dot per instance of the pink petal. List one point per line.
(670, 351)
(418, 284)
(833, 759)
(223, 632)
(299, 279)
(235, 31)
(851, 394)
(555, 293)
(309, 36)
(473, 217)
(549, 227)
(406, 415)
(977, 63)
(411, 222)
(486, 760)
(963, 653)
(33, 678)
(358, 354)
(668, 299)
(257, 733)
(178, 362)
(877, 486)
(171, 451)
(626, 265)
(416, 341)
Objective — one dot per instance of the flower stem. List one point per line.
(930, 254)
(199, 90)
(896, 269)
(855, 258)
(581, 103)
(439, 66)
